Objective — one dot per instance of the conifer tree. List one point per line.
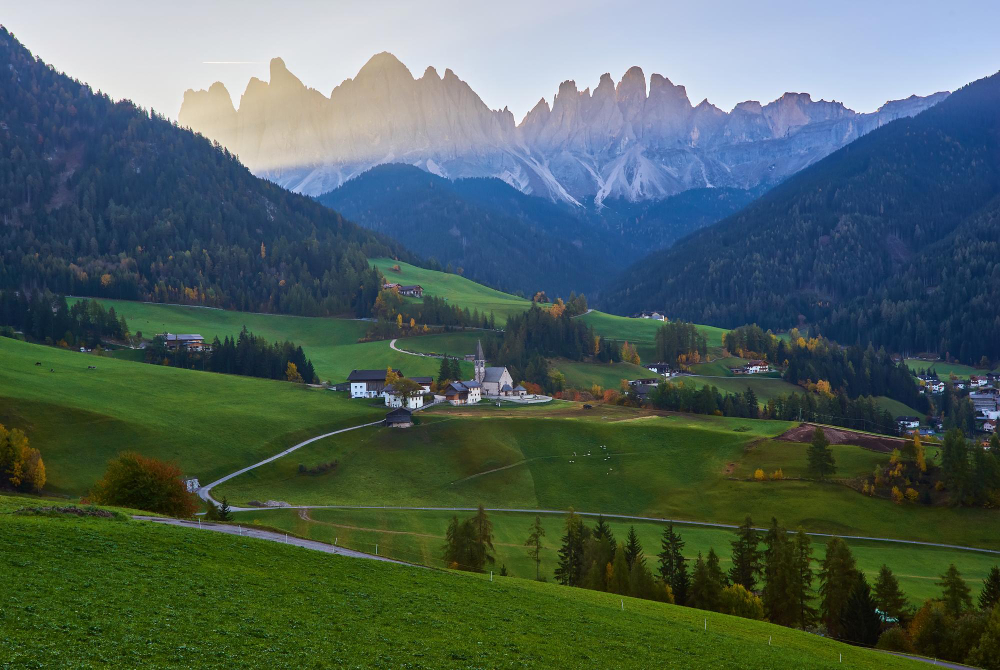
(633, 550)
(820, 459)
(955, 592)
(673, 567)
(859, 622)
(618, 579)
(706, 583)
(602, 529)
(802, 580)
(837, 578)
(456, 370)
(444, 372)
(225, 514)
(888, 596)
(746, 556)
(779, 594)
(534, 544)
(482, 539)
(989, 597)
(569, 570)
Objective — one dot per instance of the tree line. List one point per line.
(246, 354)
(44, 317)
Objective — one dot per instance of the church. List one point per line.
(496, 382)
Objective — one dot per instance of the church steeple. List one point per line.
(480, 362)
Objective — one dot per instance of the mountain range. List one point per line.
(633, 141)
(892, 240)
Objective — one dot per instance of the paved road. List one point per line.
(271, 536)
(392, 345)
(584, 314)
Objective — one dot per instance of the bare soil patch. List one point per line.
(804, 431)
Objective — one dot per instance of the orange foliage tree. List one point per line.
(21, 467)
(132, 480)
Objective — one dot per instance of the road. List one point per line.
(392, 345)
(246, 531)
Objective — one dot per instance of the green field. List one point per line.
(642, 332)
(680, 467)
(720, 367)
(765, 387)
(580, 375)
(945, 370)
(417, 536)
(145, 595)
(331, 344)
(210, 424)
(455, 289)
(895, 407)
(456, 344)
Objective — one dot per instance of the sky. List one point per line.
(515, 52)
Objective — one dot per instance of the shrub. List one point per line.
(759, 475)
(21, 467)
(897, 495)
(132, 480)
(737, 601)
(778, 474)
(318, 469)
(895, 639)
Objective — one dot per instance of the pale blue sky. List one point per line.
(514, 52)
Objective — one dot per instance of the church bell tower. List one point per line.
(480, 363)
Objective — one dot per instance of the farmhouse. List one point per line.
(389, 286)
(933, 385)
(752, 368)
(425, 383)
(660, 369)
(990, 425)
(496, 381)
(393, 399)
(649, 381)
(907, 422)
(413, 291)
(977, 381)
(958, 384)
(463, 393)
(368, 383)
(399, 418)
(656, 316)
(191, 342)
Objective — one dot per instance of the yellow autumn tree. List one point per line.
(778, 474)
(413, 323)
(557, 309)
(897, 495)
(292, 373)
(759, 475)
(597, 344)
(390, 376)
(823, 386)
(21, 466)
(399, 321)
(920, 451)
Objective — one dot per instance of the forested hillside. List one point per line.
(892, 239)
(103, 198)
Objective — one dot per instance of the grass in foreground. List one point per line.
(210, 424)
(147, 595)
(417, 536)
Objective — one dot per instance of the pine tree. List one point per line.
(602, 529)
(706, 583)
(456, 370)
(820, 458)
(888, 596)
(482, 539)
(859, 622)
(989, 597)
(779, 569)
(673, 568)
(211, 512)
(633, 550)
(569, 570)
(618, 579)
(225, 514)
(802, 580)
(955, 592)
(534, 544)
(746, 556)
(837, 577)
(451, 552)
(444, 372)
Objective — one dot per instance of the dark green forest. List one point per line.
(102, 198)
(891, 240)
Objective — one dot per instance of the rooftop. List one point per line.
(369, 375)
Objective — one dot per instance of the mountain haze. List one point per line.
(894, 239)
(633, 140)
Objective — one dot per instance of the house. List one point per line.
(191, 342)
(413, 291)
(907, 422)
(644, 382)
(191, 484)
(425, 383)
(933, 386)
(399, 418)
(388, 286)
(392, 399)
(496, 381)
(520, 391)
(977, 381)
(985, 403)
(660, 369)
(368, 383)
(959, 384)
(990, 425)
(752, 368)
(463, 393)
(656, 316)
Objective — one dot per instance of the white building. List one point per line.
(368, 383)
(394, 400)
(496, 381)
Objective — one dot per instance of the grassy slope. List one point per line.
(607, 375)
(417, 536)
(456, 289)
(149, 595)
(671, 467)
(331, 344)
(641, 332)
(895, 407)
(211, 424)
(765, 387)
(944, 369)
(456, 344)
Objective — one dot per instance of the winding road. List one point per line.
(392, 345)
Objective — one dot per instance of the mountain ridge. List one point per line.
(625, 140)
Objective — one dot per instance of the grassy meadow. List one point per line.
(418, 536)
(331, 344)
(944, 370)
(156, 596)
(454, 288)
(210, 424)
(642, 332)
(679, 467)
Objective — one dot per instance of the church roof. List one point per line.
(506, 387)
(493, 374)
(479, 351)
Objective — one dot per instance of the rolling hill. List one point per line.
(106, 199)
(150, 595)
(891, 240)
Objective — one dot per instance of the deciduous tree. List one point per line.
(135, 481)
